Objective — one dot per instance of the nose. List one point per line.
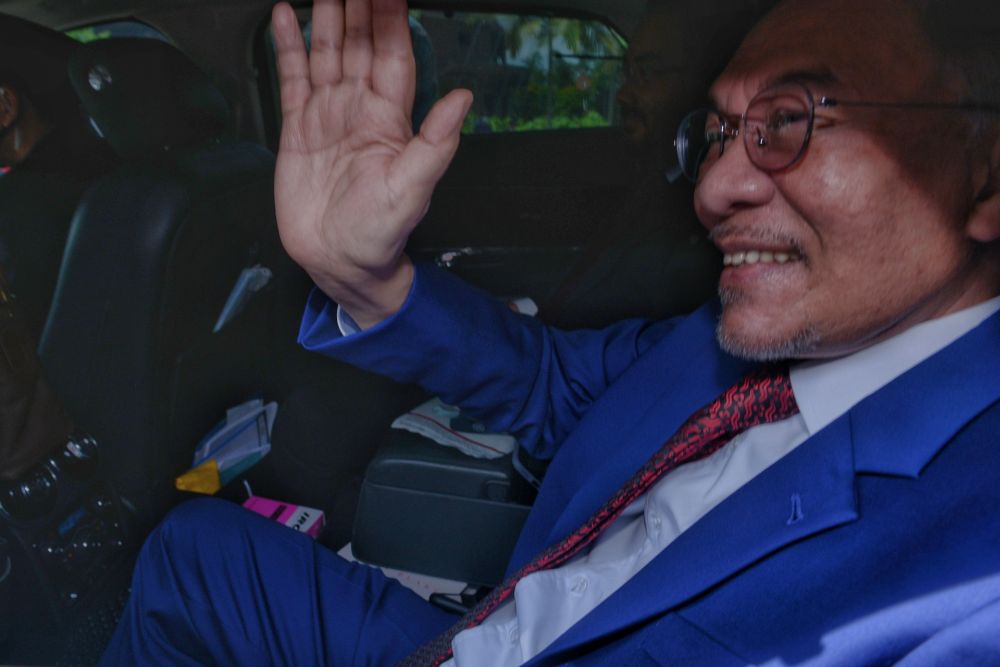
(730, 184)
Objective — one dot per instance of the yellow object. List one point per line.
(203, 479)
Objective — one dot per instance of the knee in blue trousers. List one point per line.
(216, 584)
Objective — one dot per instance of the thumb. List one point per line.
(416, 170)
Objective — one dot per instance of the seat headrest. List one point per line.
(146, 97)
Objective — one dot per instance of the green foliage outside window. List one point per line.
(476, 124)
(527, 72)
(115, 29)
(89, 34)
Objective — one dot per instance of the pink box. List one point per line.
(297, 517)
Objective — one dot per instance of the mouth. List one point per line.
(760, 256)
(760, 264)
(756, 247)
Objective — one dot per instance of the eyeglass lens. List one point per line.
(775, 129)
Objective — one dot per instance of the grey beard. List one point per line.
(801, 344)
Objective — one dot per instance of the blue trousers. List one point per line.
(216, 584)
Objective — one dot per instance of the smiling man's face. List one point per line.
(878, 217)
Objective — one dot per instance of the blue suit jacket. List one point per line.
(875, 541)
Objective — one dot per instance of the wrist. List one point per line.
(369, 298)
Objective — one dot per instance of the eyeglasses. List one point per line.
(776, 127)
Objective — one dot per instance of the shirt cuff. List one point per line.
(346, 323)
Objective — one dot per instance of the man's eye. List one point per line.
(781, 119)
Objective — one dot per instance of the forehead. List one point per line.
(869, 47)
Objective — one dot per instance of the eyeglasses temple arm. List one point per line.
(829, 102)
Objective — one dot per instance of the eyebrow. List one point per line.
(816, 76)
(821, 76)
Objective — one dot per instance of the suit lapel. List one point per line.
(900, 428)
(808, 491)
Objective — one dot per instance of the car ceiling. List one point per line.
(64, 14)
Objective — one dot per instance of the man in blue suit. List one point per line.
(849, 171)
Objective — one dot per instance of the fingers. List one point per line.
(444, 121)
(293, 66)
(393, 68)
(327, 42)
(358, 52)
(424, 160)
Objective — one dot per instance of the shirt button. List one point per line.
(580, 585)
(655, 521)
(513, 635)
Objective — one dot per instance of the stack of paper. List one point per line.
(242, 439)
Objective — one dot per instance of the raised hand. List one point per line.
(352, 181)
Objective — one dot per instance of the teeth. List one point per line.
(758, 257)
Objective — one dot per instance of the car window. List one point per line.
(527, 72)
(115, 29)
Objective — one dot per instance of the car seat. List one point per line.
(134, 342)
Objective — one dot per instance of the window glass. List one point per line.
(527, 72)
(114, 29)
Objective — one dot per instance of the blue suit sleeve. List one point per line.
(463, 345)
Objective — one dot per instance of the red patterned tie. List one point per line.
(762, 397)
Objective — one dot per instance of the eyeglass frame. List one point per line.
(729, 130)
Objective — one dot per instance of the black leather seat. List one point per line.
(154, 252)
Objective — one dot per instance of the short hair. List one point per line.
(33, 61)
(967, 36)
(714, 29)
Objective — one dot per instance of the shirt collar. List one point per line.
(826, 389)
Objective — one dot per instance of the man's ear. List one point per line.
(10, 106)
(983, 224)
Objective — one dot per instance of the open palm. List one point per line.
(352, 181)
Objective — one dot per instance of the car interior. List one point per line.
(175, 301)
